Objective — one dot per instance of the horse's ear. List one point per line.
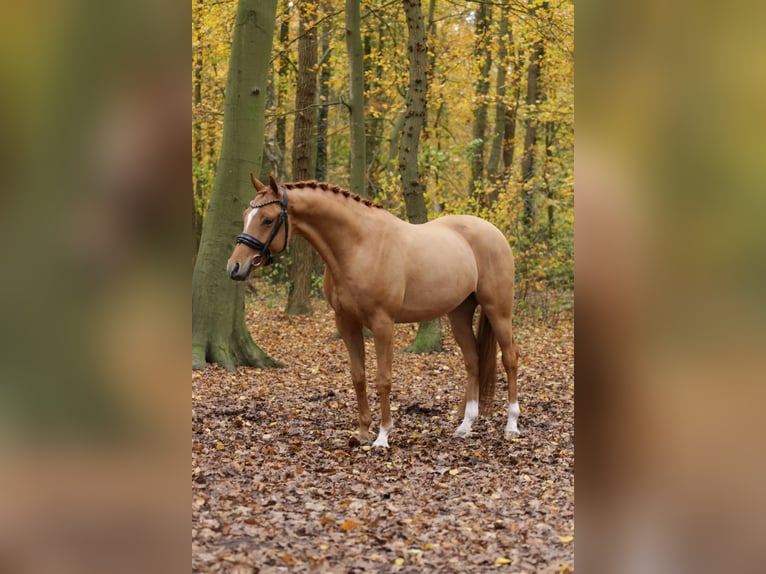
(273, 184)
(256, 184)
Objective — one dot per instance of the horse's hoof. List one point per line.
(462, 432)
(510, 434)
(382, 439)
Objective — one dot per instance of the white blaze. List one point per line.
(250, 217)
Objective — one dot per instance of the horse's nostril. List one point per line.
(234, 269)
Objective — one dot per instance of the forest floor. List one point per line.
(281, 484)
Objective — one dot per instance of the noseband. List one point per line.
(256, 244)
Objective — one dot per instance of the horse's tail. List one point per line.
(487, 347)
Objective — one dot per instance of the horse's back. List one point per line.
(420, 272)
(485, 239)
(492, 253)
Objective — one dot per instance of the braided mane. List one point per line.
(322, 186)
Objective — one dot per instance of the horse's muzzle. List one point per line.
(238, 272)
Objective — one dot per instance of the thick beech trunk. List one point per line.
(219, 333)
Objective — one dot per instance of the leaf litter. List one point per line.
(281, 483)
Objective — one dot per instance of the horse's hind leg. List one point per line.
(351, 333)
(503, 329)
(461, 320)
(511, 364)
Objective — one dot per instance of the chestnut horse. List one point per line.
(381, 270)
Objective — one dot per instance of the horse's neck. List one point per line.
(331, 223)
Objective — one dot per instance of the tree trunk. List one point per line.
(212, 140)
(281, 92)
(219, 333)
(429, 332)
(530, 137)
(301, 252)
(481, 90)
(431, 59)
(493, 165)
(393, 142)
(273, 162)
(414, 115)
(197, 137)
(320, 169)
(375, 123)
(509, 137)
(511, 112)
(356, 91)
(550, 140)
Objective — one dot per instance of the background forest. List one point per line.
(498, 133)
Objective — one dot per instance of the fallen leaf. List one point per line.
(349, 524)
(315, 499)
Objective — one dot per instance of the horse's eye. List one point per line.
(268, 221)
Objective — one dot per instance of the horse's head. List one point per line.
(265, 231)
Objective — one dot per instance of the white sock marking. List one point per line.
(382, 439)
(512, 428)
(471, 413)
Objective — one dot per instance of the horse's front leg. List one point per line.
(384, 349)
(351, 333)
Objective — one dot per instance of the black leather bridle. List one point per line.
(256, 244)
